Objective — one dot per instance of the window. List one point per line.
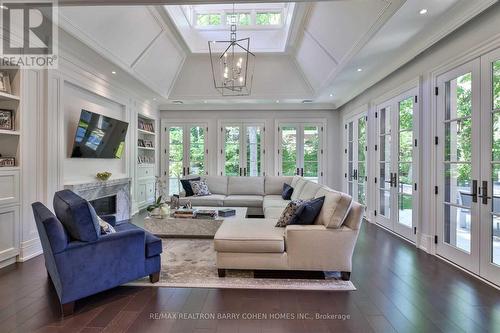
(238, 18)
(207, 20)
(268, 18)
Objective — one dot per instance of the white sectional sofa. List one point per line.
(257, 244)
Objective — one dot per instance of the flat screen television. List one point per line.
(98, 136)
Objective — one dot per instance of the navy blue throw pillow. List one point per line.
(186, 185)
(308, 211)
(286, 194)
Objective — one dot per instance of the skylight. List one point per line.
(267, 24)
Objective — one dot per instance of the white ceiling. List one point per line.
(316, 54)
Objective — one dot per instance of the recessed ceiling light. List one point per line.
(113, 72)
(360, 69)
(423, 11)
(331, 95)
(205, 102)
(154, 98)
(277, 101)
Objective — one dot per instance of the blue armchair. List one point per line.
(80, 261)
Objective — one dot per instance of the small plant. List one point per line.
(160, 186)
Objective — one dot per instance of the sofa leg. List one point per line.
(155, 277)
(221, 272)
(346, 276)
(67, 309)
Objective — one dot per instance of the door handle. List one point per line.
(484, 192)
(245, 172)
(188, 171)
(355, 174)
(298, 171)
(474, 190)
(390, 180)
(302, 172)
(241, 172)
(184, 172)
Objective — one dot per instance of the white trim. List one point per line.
(7, 262)
(30, 249)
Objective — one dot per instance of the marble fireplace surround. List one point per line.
(100, 189)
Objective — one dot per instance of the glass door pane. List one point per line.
(350, 158)
(232, 150)
(253, 147)
(361, 160)
(385, 170)
(405, 176)
(311, 153)
(197, 150)
(458, 162)
(289, 150)
(495, 167)
(175, 158)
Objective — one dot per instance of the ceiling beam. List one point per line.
(166, 2)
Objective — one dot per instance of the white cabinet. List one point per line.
(9, 232)
(9, 187)
(145, 172)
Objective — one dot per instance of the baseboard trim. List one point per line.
(425, 243)
(30, 249)
(7, 262)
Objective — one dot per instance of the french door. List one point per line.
(397, 164)
(300, 150)
(356, 154)
(242, 149)
(186, 149)
(468, 170)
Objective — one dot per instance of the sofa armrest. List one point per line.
(315, 247)
(86, 268)
(111, 219)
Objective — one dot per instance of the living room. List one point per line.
(260, 166)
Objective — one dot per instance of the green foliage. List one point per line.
(204, 20)
(268, 18)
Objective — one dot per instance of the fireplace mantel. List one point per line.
(119, 187)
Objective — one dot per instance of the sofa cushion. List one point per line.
(200, 188)
(243, 201)
(250, 236)
(289, 213)
(152, 243)
(322, 192)
(274, 201)
(245, 185)
(217, 184)
(273, 212)
(335, 209)
(295, 179)
(309, 190)
(274, 184)
(297, 189)
(286, 194)
(213, 200)
(77, 216)
(308, 211)
(186, 185)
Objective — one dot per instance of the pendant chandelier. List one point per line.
(232, 63)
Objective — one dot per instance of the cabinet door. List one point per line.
(9, 187)
(9, 232)
(150, 192)
(141, 194)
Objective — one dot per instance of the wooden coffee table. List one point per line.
(175, 227)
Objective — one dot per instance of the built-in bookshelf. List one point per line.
(10, 164)
(146, 159)
(10, 118)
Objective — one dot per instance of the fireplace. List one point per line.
(111, 197)
(105, 206)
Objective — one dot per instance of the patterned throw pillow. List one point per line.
(289, 213)
(200, 188)
(106, 228)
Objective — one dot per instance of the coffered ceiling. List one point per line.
(327, 51)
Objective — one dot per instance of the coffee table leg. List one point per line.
(221, 272)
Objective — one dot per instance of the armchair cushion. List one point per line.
(153, 245)
(77, 216)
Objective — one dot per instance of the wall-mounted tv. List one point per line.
(98, 136)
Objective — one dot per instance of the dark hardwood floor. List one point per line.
(400, 289)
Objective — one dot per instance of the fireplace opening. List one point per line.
(105, 206)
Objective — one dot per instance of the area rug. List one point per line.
(190, 263)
